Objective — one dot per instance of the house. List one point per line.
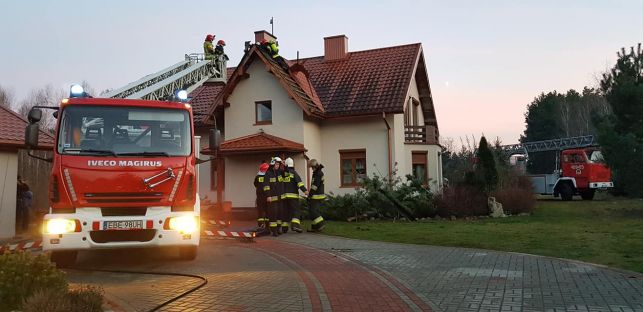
(358, 113)
(12, 138)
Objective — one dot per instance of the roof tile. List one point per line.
(12, 131)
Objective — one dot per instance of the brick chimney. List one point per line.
(263, 35)
(335, 47)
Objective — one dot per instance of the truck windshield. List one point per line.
(124, 131)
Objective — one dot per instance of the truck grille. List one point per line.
(102, 237)
(123, 211)
(144, 197)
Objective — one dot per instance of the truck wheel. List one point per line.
(64, 259)
(566, 192)
(587, 195)
(188, 252)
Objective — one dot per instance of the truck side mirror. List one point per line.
(214, 139)
(31, 134)
(35, 114)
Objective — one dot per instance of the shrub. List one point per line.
(22, 274)
(81, 299)
(462, 201)
(516, 194)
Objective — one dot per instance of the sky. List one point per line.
(486, 60)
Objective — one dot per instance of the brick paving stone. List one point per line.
(459, 279)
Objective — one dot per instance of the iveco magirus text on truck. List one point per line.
(124, 175)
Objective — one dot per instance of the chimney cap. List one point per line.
(335, 36)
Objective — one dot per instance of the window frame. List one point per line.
(424, 156)
(263, 122)
(354, 155)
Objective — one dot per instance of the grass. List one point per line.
(607, 231)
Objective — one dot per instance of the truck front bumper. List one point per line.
(91, 236)
(601, 185)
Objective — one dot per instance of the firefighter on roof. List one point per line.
(292, 185)
(208, 47)
(316, 196)
(261, 201)
(274, 187)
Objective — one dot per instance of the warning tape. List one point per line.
(216, 222)
(233, 234)
(27, 245)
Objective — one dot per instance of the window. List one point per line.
(420, 172)
(124, 131)
(352, 167)
(263, 113)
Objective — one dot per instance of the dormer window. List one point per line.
(263, 113)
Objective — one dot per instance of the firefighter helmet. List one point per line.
(209, 37)
(221, 42)
(263, 167)
(313, 163)
(289, 163)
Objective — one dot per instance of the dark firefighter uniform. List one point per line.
(316, 196)
(292, 185)
(274, 187)
(261, 201)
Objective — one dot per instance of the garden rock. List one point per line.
(495, 208)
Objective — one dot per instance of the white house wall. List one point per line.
(205, 170)
(8, 178)
(359, 133)
(287, 118)
(414, 93)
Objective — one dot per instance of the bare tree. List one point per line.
(46, 96)
(6, 97)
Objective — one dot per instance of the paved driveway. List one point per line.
(312, 272)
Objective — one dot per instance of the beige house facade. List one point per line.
(359, 113)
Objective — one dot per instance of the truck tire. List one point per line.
(566, 192)
(587, 195)
(188, 252)
(64, 259)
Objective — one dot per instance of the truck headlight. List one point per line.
(62, 226)
(184, 224)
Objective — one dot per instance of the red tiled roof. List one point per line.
(365, 82)
(202, 98)
(259, 143)
(12, 131)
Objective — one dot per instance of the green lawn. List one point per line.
(608, 231)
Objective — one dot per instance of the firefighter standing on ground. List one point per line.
(261, 201)
(274, 187)
(292, 185)
(316, 196)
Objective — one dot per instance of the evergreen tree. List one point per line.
(486, 172)
(621, 134)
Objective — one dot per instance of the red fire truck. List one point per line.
(580, 168)
(124, 175)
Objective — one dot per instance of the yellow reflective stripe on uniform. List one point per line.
(280, 178)
(290, 195)
(273, 224)
(266, 188)
(313, 187)
(319, 196)
(318, 219)
(274, 198)
(300, 184)
(295, 221)
(287, 179)
(260, 179)
(273, 179)
(285, 224)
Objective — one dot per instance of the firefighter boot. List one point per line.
(284, 227)
(274, 228)
(295, 225)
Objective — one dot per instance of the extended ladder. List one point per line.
(185, 75)
(549, 145)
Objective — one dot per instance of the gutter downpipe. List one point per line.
(390, 151)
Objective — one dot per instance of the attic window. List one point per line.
(263, 113)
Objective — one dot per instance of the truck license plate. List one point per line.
(123, 225)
